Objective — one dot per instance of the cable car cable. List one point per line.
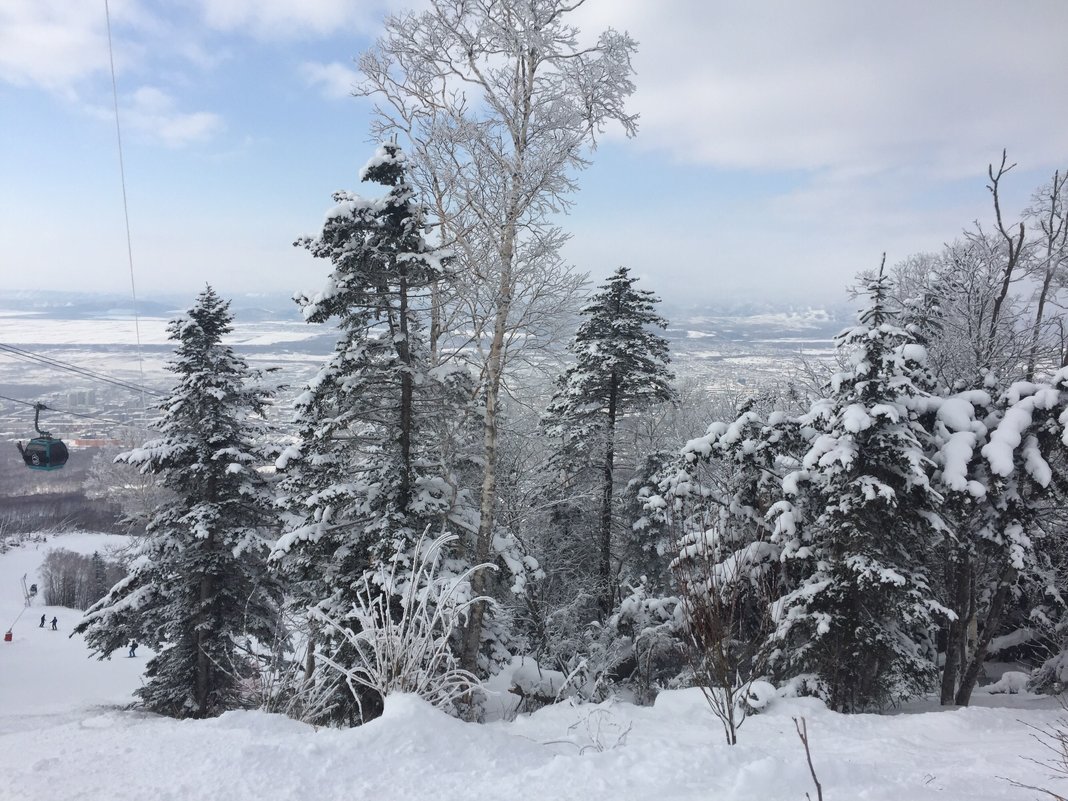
(62, 365)
(48, 361)
(76, 414)
(125, 204)
(119, 384)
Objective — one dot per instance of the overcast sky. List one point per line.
(783, 146)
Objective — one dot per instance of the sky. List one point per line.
(783, 146)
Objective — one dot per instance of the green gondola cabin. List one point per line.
(43, 452)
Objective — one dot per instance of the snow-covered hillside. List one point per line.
(65, 734)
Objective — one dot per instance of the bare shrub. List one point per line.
(1054, 740)
(802, 732)
(725, 616)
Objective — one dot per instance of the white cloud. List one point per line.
(334, 80)
(153, 113)
(286, 19)
(62, 47)
(848, 127)
(826, 85)
(51, 43)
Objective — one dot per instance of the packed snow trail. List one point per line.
(65, 736)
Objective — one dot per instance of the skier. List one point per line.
(42, 621)
(133, 648)
(55, 620)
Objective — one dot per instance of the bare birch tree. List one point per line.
(1051, 220)
(500, 106)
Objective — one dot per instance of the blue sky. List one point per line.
(783, 146)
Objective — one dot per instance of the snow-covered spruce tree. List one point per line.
(372, 469)
(621, 367)
(198, 589)
(863, 614)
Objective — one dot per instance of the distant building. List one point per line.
(83, 398)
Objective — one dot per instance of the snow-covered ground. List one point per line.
(65, 734)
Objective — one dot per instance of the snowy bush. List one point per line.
(649, 633)
(599, 730)
(758, 696)
(716, 594)
(399, 634)
(522, 685)
(1011, 682)
(805, 685)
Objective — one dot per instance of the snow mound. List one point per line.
(1011, 682)
(759, 695)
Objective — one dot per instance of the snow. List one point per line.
(957, 414)
(1011, 681)
(956, 453)
(673, 750)
(43, 673)
(855, 418)
(64, 735)
(1004, 440)
(1011, 640)
(914, 353)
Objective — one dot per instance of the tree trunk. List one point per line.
(404, 353)
(957, 633)
(993, 620)
(488, 496)
(1032, 356)
(309, 657)
(605, 571)
(1013, 243)
(1055, 228)
(203, 688)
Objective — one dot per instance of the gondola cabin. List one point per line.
(43, 452)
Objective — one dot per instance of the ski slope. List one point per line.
(45, 673)
(65, 735)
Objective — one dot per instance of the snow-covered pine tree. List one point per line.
(862, 612)
(374, 463)
(621, 367)
(198, 590)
